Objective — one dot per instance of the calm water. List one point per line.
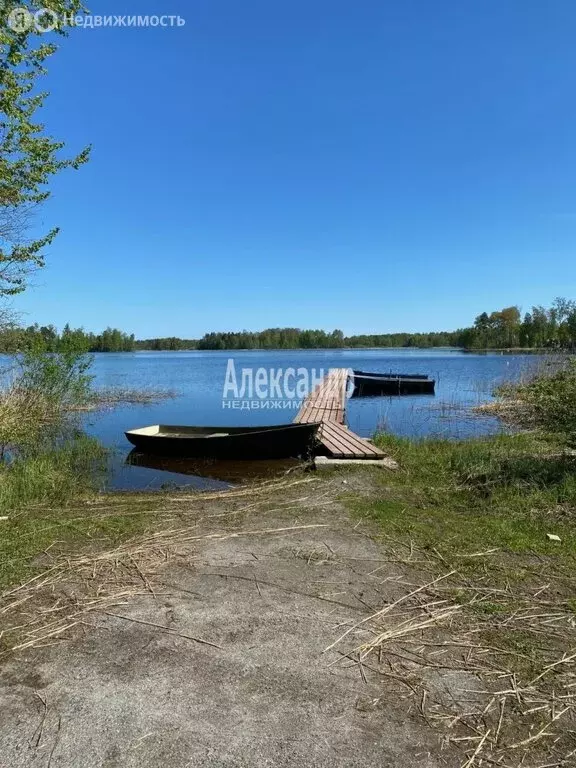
(462, 381)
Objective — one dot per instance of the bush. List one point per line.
(552, 399)
(43, 455)
(61, 378)
(35, 409)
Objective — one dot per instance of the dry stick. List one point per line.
(172, 536)
(257, 586)
(500, 719)
(38, 733)
(557, 764)
(475, 646)
(56, 739)
(500, 763)
(45, 637)
(488, 706)
(27, 583)
(279, 504)
(564, 660)
(13, 605)
(177, 534)
(57, 625)
(410, 625)
(478, 554)
(386, 610)
(241, 492)
(169, 630)
(399, 678)
(472, 759)
(542, 732)
(142, 576)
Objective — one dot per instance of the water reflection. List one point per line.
(208, 473)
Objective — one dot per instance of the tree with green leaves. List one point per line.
(29, 157)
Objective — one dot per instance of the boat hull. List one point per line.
(243, 443)
(392, 375)
(369, 386)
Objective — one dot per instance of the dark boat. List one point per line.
(370, 384)
(277, 442)
(392, 375)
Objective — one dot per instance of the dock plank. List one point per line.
(325, 405)
(326, 401)
(351, 438)
(345, 444)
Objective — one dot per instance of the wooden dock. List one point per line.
(326, 406)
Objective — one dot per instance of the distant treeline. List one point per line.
(294, 338)
(541, 328)
(166, 343)
(272, 338)
(47, 338)
(433, 339)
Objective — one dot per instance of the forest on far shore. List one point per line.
(540, 328)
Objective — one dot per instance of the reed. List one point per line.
(44, 456)
(111, 397)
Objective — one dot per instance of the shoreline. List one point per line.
(464, 350)
(424, 558)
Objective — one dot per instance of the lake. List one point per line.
(462, 381)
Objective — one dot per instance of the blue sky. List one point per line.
(374, 166)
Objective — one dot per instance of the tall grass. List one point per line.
(24, 414)
(51, 475)
(553, 399)
(44, 457)
(546, 400)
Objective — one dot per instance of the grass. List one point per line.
(505, 492)
(24, 417)
(550, 398)
(28, 534)
(47, 465)
(39, 499)
(51, 474)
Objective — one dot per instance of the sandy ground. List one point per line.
(125, 693)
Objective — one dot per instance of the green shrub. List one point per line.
(61, 378)
(44, 458)
(552, 399)
(37, 406)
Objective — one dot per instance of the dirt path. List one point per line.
(138, 691)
